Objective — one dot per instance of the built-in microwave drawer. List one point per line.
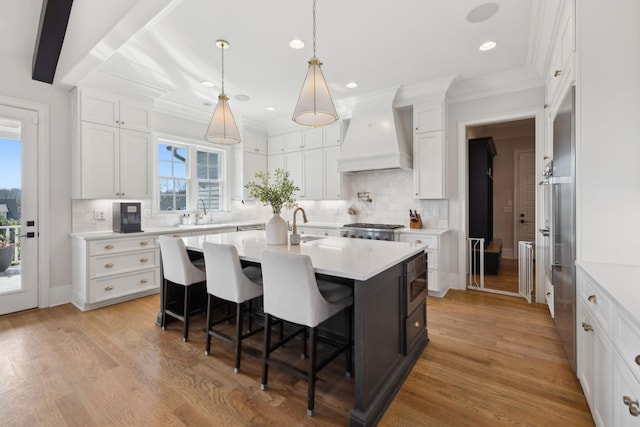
(415, 326)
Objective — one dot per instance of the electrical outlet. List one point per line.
(436, 212)
(99, 214)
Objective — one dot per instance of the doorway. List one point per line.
(509, 205)
(19, 222)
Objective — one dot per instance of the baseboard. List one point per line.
(60, 295)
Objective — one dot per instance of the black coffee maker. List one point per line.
(127, 217)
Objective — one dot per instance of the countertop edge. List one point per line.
(158, 230)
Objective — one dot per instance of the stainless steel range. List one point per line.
(363, 230)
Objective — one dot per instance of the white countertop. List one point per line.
(620, 282)
(335, 256)
(164, 230)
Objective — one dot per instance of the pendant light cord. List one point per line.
(314, 28)
(222, 49)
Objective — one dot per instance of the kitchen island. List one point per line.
(387, 339)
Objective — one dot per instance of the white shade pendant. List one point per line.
(222, 127)
(315, 106)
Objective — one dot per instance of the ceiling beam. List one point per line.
(54, 18)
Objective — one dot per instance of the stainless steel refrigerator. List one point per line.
(563, 225)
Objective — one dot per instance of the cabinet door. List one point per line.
(313, 174)
(275, 161)
(252, 163)
(293, 141)
(135, 164)
(332, 178)
(332, 135)
(312, 138)
(427, 118)
(428, 162)
(625, 385)
(99, 107)
(276, 144)
(293, 164)
(254, 141)
(135, 115)
(100, 153)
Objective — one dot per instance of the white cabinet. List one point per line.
(113, 270)
(560, 73)
(112, 147)
(437, 249)
(275, 144)
(332, 135)
(608, 349)
(275, 161)
(293, 141)
(312, 138)
(317, 231)
(306, 171)
(254, 141)
(429, 152)
(332, 178)
(114, 163)
(112, 110)
(251, 164)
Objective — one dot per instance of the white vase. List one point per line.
(277, 231)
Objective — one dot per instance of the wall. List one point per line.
(512, 106)
(15, 82)
(607, 112)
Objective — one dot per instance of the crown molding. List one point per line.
(496, 84)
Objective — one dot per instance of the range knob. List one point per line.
(377, 237)
(369, 237)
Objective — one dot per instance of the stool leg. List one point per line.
(250, 318)
(303, 355)
(185, 338)
(266, 350)
(311, 393)
(164, 305)
(207, 347)
(349, 338)
(236, 368)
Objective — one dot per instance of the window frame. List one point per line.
(192, 147)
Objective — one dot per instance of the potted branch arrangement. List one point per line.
(278, 194)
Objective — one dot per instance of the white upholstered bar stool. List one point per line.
(293, 294)
(227, 280)
(178, 270)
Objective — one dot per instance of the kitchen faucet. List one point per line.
(295, 237)
(204, 209)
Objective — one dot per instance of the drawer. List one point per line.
(101, 247)
(415, 326)
(107, 265)
(432, 260)
(430, 242)
(597, 303)
(627, 340)
(126, 284)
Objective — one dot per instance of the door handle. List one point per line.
(29, 235)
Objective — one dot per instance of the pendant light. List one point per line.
(315, 106)
(222, 128)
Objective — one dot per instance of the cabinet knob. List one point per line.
(628, 401)
(416, 128)
(108, 247)
(638, 360)
(144, 259)
(144, 280)
(633, 410)
(587, 327)
(418, 241)
(144, 243)
(593, 299)
(548, 293)
(417, 324)
(556, 73)
(108, 265)
(108, 288)
(175, 235)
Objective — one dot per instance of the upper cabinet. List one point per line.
(112, 110)
(429, 151)
(254, 141)
(560, 74)
(112, 155)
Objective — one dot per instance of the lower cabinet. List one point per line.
(318, 231)
(437, 249)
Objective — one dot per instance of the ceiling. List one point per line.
(379, 45)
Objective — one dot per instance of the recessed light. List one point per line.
(488, 45)
(296, 44)
(351, 85)
(207, 83)
(270, 108)
(482, 13)
(241, 97)
(207, 104)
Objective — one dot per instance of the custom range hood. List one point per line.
(375, 138)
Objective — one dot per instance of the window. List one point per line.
(188, 173)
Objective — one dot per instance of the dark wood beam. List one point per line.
(53, 26)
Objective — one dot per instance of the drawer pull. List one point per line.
(556, 73)
(175, 235)
(108, 265)
(627, 401)
(548, 293)
(144, 243)
(638, 360)
(633, 410)
(144, 280)
(108, 247)
(417, 324)
(108, 288)
(587, 327)
(144, 259)
(593, 299)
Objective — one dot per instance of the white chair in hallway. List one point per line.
(227, 280)
(293, 294)
(179, 271)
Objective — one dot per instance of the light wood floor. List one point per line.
(492, 361)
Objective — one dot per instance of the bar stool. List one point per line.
(178, 270)
(227, 280)
(293, 294)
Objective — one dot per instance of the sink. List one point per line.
(310, 238)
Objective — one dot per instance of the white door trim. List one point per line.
(43, 191)
(463, 184)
